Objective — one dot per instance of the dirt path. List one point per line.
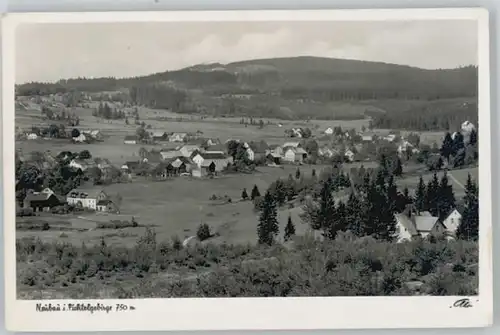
(455, 180)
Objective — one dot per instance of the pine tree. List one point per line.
(398, 169)
(421, 196)
(313, 174)
(469, 228)
(326, 211)
(268, 227)
(244, 194)
(289, 229)
(445, 197)
(392, 195)
(447, 146)
(255, 192)
(354, 215)
(457, 144)
(432, 195)
(297, 173)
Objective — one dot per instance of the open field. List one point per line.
(117, 152)
(178, 206)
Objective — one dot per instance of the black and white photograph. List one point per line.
(247, 159)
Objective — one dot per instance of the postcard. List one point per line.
(247, 170)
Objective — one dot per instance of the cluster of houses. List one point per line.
(94, 199)
(411, 224)
(160, 136)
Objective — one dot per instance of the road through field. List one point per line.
(456, 181)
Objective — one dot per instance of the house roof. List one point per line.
(424, 223)
(274, 146)
(130, 138)
(212, 155)
(85, 192)
(217, 147)
(158, 133)
(190, 147)
(179, 134)
(39, 196)
(275, 155)
(170, 154)
(104, 202)
(451, 211)
(406, 222)
(300, 151)
(291, 144)
(177, 163)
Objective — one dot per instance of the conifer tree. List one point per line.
(289, 229)
(313, 174)
(326, 212)
(255, 192)
(421, 196)
(469, 227)
(445, 197)
(297, 173)
(398, 168)
(392, 194)
(268, 227)
(447, 146)
(244, 194)
(354, 215)
(432, 195)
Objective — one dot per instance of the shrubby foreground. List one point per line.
(346, 266)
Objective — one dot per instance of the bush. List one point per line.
(203, 233)
(347, 266)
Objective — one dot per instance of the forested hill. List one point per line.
(298, 77)
(297, 88)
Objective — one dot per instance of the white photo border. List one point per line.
(253, 313)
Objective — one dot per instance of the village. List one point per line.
(192, 156)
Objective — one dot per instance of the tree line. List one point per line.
(370, 208)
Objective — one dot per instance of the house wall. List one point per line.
(402, 234)
(453, 221)
(289, 156)
(198, 160)
(90, 203)
(251, 154)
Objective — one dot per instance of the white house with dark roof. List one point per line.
(188, 149)
(177, 137)
(86, 197)
(411, 224)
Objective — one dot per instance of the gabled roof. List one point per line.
(300, 151)
(217, 147)
(170, 154)
(84, 192)
(159, 133)
(130, 138)
(179, 134)
(450, 212)
(406, 222)
(291, 144)
(177, 163)
(39, 196)
(190, 147)
(210, 155)
(425, 223)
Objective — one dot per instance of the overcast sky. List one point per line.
(50, 52)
